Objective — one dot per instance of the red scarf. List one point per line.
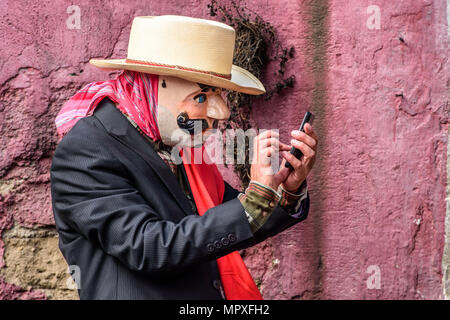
(136, 94)
(207, 186)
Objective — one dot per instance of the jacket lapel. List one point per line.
(119, 127)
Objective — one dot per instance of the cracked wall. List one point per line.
(378, 189)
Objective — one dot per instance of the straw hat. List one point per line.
(197, 50)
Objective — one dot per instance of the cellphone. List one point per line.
(308, 118)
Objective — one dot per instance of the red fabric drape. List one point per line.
(207, 186)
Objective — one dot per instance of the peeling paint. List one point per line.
(7, 186)
(33, 261)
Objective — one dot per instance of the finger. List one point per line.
(269, 151)
(295, 163)
(265, 160)
(284, 147)
(302, 136)
(267, 134)
(263, 156)
(281, 175)
(307, 151)
(310, 131)
(269, 142)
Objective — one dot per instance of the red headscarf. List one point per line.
(136, 95)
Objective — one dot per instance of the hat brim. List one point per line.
(241, 80)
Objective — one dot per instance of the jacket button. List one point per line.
(225, 241)
(232, 237)
(210, 247)
(217, 244)
(216, 284)
(272, 204)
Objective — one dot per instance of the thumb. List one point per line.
(281, 175)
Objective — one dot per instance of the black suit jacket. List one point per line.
(125, 222)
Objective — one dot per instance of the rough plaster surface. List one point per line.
(378, 187)
(33, 261)
(446, 256)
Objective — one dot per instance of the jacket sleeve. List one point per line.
(279, 220)
(93, 196)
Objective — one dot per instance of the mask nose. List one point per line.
(217, 108)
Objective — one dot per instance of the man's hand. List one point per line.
(306, 142)
(266, 148)
(258, 201)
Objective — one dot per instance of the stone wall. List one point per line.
(375, 74)
(33, 262)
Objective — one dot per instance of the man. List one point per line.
(138, 223)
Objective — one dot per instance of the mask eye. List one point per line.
(200, 98)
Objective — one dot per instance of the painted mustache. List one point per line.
(184, 122)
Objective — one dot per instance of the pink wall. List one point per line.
(378, 187)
